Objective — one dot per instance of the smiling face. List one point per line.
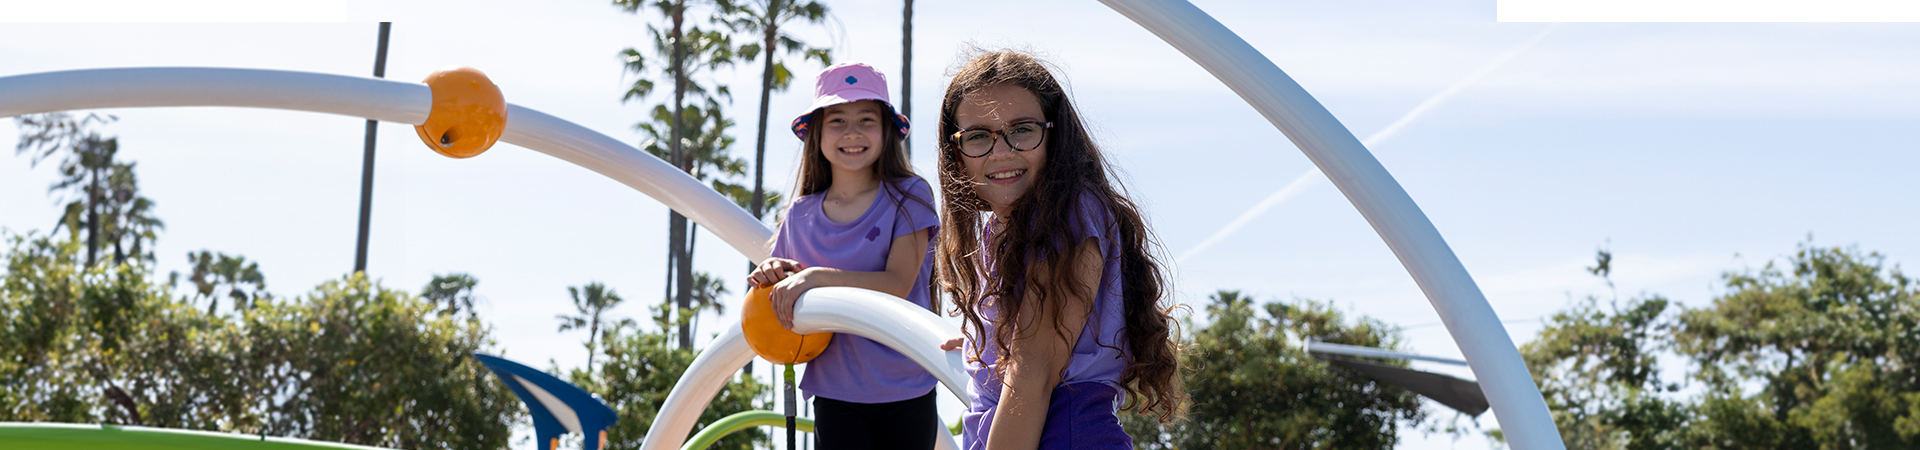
(1004, 174)
(850, 135)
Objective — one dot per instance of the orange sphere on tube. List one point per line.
(773, 342)
(468, 114)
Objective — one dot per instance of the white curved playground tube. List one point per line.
(1503, 376)
(383, 100)
(886, 319)
(911, 330)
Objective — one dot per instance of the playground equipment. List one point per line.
(468, 113)
(777, 345)
(558, 407)
(1509, 388)
(1461, 395)
(771, 341)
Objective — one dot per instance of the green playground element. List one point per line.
(74, 436)
(741, 421)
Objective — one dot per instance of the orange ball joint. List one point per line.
(772, 342)
(468, 114)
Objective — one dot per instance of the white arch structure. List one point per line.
(1515, 400)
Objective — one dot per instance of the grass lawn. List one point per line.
(64, 436)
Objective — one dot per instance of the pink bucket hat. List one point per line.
(847, 83)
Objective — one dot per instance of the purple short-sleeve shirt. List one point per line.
(1100, 353)
(853, 368)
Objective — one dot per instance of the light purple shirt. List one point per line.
(1098, 356)
(853, 368)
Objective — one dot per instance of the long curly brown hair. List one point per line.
(1034, 247)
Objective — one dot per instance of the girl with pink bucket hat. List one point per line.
(862, 218)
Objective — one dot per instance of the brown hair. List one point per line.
(1032, 255)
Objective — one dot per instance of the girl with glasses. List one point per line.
(861, 218)
(1051, 267)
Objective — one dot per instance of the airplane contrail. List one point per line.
(1313, 176)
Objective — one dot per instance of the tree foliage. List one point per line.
(766, 18)
(1253, 387)
(688, 50)
(1598, 369)
(212, 271)
(705, 144)
(591, 302)
(102, 194)
(453, 291)
(349, 362)
(1819, 352)
(1832, 340)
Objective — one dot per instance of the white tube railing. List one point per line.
(891, 321)
(383, 100)
(1355, 350)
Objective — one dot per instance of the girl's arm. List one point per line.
(903, 267)
(1038, 355)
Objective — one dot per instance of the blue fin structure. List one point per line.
(558, 407)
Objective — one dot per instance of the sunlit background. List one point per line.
(1688, 149)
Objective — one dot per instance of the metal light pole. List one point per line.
(906, 73)
(366, 164)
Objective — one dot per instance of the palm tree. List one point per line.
(704, 145)
(592, 302)
(766, 18)
(104, 194)
(705, 141)
(213, 270)
(129, 224)
(453, 289)
(906, 71)
(682, 47)
(707, 290)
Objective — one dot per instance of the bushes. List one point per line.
(350, 362)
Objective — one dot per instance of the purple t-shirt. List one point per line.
(1099, 354)
(853, 368)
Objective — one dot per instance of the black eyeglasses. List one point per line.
(1021, 136)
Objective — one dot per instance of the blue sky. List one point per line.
(1690, 148)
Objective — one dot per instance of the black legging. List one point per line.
(905, 424)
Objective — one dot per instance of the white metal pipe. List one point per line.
(1355, 350)
(597, 152)
(889, 320)
(145, 87)
(384, 100)
(911, 330)
(690, 395)
(1516, 401)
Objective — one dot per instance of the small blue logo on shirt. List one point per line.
(873, 233)
(851, 79)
